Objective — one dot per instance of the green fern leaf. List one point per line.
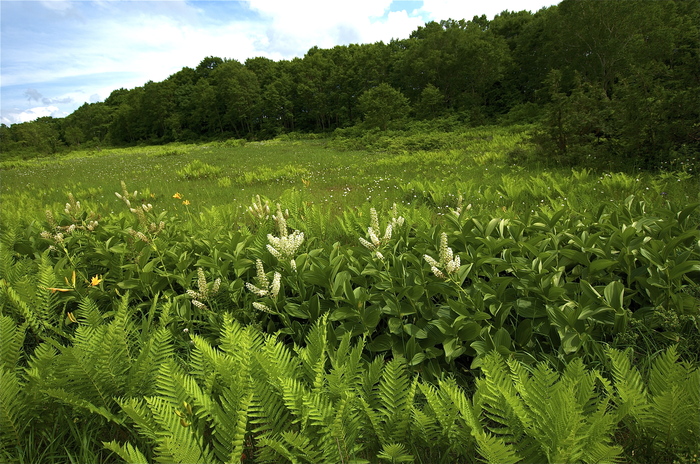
(45, 300)
(14, 409)
(395, 452)
(495, 450)
(396, 394)
(35, 322)
(12, 337)
(177, 441)
(631, 392)
(72, 400)
(128, 452)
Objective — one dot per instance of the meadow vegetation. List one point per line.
(371, 296)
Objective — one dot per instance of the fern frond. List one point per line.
(7, 262)
(128, 452)
(665, 371)
(45, 300)
(273, 362)
(293, 446)
(313, 355)
(72, 400)
(499, 401)
(631, 392)
(14, 409)
(346, 367)
(35, 322)
(465, 425)
(425, 428)
(396, 395)
(238, 439)
(12, 337)
(89, 314)
(141, 415)
(496, 450)
(395, 452)
(142, 375)
(177, 441)
(41, 367)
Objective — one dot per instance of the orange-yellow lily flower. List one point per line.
(177, 195)
(95, 281)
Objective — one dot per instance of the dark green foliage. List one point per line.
(621, 92)
(382, 105)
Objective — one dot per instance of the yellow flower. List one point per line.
(177, 195)
(186, 202)
(95, 281)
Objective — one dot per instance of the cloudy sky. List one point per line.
(56, 55)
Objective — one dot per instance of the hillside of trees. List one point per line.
(616, 78)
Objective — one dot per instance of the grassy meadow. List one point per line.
(396, 297)
(484, 165)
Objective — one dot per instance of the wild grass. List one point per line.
(432, 170)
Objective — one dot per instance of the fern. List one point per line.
(35, 322)
(143, 372)
(672, 419)
(550, 418)
(12, 338)
(395, 452)
(14, 409)
(396, 394)
(127, 452)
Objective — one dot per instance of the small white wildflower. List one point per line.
(258, 291)
(387, 234)
(431, 261)
(366, 244)
(437, 272)
(373, 237)
(261, 307)
(274, 251)
(199, 304)
(294, 265)
(202, 283)
(262, 278)
(374, 219)
(379, 255)
(275, 287)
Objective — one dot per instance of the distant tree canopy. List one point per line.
(618, 78)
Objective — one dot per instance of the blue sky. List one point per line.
(56, 55)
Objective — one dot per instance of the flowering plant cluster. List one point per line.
(264, 287)
(447, 260)
(375, 243)
(205, 292)
(80, 220)
(141, 213)
(286, 245)
(259, 209)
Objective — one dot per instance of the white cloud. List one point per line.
(294, 27)
(438, 10)
(38, 112)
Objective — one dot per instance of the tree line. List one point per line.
(617, 78)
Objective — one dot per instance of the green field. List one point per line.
(450, 300)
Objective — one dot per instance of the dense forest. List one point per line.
(616, 78)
